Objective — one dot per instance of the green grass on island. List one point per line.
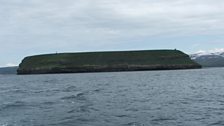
(106, 61)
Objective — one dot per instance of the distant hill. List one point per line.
(107, 62)
(215, 59)
(8, 70)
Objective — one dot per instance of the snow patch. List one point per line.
(11, 64)
(213, 52)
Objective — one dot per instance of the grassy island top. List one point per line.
(143, 57)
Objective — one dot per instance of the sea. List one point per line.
(144, 98)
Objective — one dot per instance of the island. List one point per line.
(108, 61)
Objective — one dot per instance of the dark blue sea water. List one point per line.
(152, 98)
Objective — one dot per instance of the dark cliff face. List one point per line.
(106, 62)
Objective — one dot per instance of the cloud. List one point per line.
(38, 26)
(216, 50)
(85, 20)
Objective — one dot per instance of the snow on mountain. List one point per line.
(211, 58)
(210, 53)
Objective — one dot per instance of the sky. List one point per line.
(30, 27)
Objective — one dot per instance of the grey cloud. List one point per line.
(76, 24)
(111, 19)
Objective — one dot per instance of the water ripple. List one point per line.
(148, 98)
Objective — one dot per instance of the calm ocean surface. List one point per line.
(149, 98)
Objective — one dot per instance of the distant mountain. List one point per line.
(8, 70)
(212, 59)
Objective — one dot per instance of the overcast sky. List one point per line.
(29, 27)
